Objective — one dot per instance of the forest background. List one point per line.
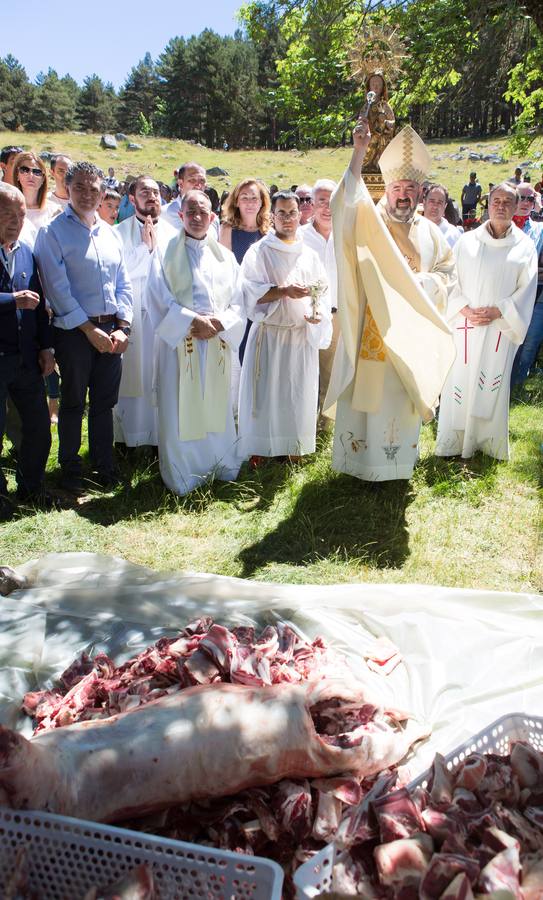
(283, 80)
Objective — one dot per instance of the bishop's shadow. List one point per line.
(338, 516)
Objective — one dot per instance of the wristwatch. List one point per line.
(125, 329)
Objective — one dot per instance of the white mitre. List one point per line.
(405, 158)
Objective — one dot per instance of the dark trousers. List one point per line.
(83, 368)
(26, 390)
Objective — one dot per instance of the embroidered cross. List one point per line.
(465, 328)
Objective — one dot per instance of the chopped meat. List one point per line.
(481, 820)
(459, 889)
(443, 869)
(405, 861)
(383, 656)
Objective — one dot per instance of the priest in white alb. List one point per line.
(195, 300)
(394, 273)
(489, 312)
(142, 235)
(285, 286)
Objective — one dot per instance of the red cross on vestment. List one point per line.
(465, 328)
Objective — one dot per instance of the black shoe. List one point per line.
(6, 508)
(40, 500)
(107, 480)
(72, 484)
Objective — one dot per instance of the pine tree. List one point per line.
(54, 103)
(96, 106)
(15, 93)
(139, 96)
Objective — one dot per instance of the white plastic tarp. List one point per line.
(468, 656)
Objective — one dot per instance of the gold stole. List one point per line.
(400, 236)
(199, 411)
(369, 378)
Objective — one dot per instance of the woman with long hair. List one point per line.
(30, 176)
(245, 216)
(245, 219)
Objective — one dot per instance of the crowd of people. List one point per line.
(225, 330)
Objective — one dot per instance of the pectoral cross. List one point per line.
(465, 328)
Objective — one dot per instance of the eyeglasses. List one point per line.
(287, 215)
(26, 170)
(305, 200)
(527, 197)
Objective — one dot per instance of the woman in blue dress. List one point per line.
(245, 219)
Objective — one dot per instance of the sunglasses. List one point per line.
(527, 197)
(26, 170)
(306, 200)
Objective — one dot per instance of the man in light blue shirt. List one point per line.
(87, 285)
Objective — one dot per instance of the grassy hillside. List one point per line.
(160, 156)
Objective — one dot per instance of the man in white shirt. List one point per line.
(317, 234)
(304, 192)
(191, 176)
(434, 203)
(59, 166)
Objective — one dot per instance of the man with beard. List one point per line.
(142, 236)
(394, 273)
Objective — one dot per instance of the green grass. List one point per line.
(476, 525)
(160, 156)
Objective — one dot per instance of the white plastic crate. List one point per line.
(495, 738)
(315, 876)
(65, 857)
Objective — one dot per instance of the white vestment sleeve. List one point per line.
(354, 189)
(138, 260)
(170, 320)
(233, 318)
(517, 309)
(440, 280)
(255, 284)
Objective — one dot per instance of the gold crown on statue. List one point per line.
(377, 50)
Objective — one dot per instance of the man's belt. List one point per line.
(100, 320)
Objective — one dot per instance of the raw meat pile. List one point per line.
(283, 741)
(475, 832)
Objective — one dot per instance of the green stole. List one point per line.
(200, 411)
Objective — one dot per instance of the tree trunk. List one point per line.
(534, 8)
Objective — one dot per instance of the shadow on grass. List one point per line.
(338, 516)
(144, 495)
(453, 477)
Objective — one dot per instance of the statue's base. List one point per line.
(375, 185)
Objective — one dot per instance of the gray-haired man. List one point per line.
(86, 282)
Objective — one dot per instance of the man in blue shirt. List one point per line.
(527, 352)
(25, 354)
(86, 282)
(471, 195)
